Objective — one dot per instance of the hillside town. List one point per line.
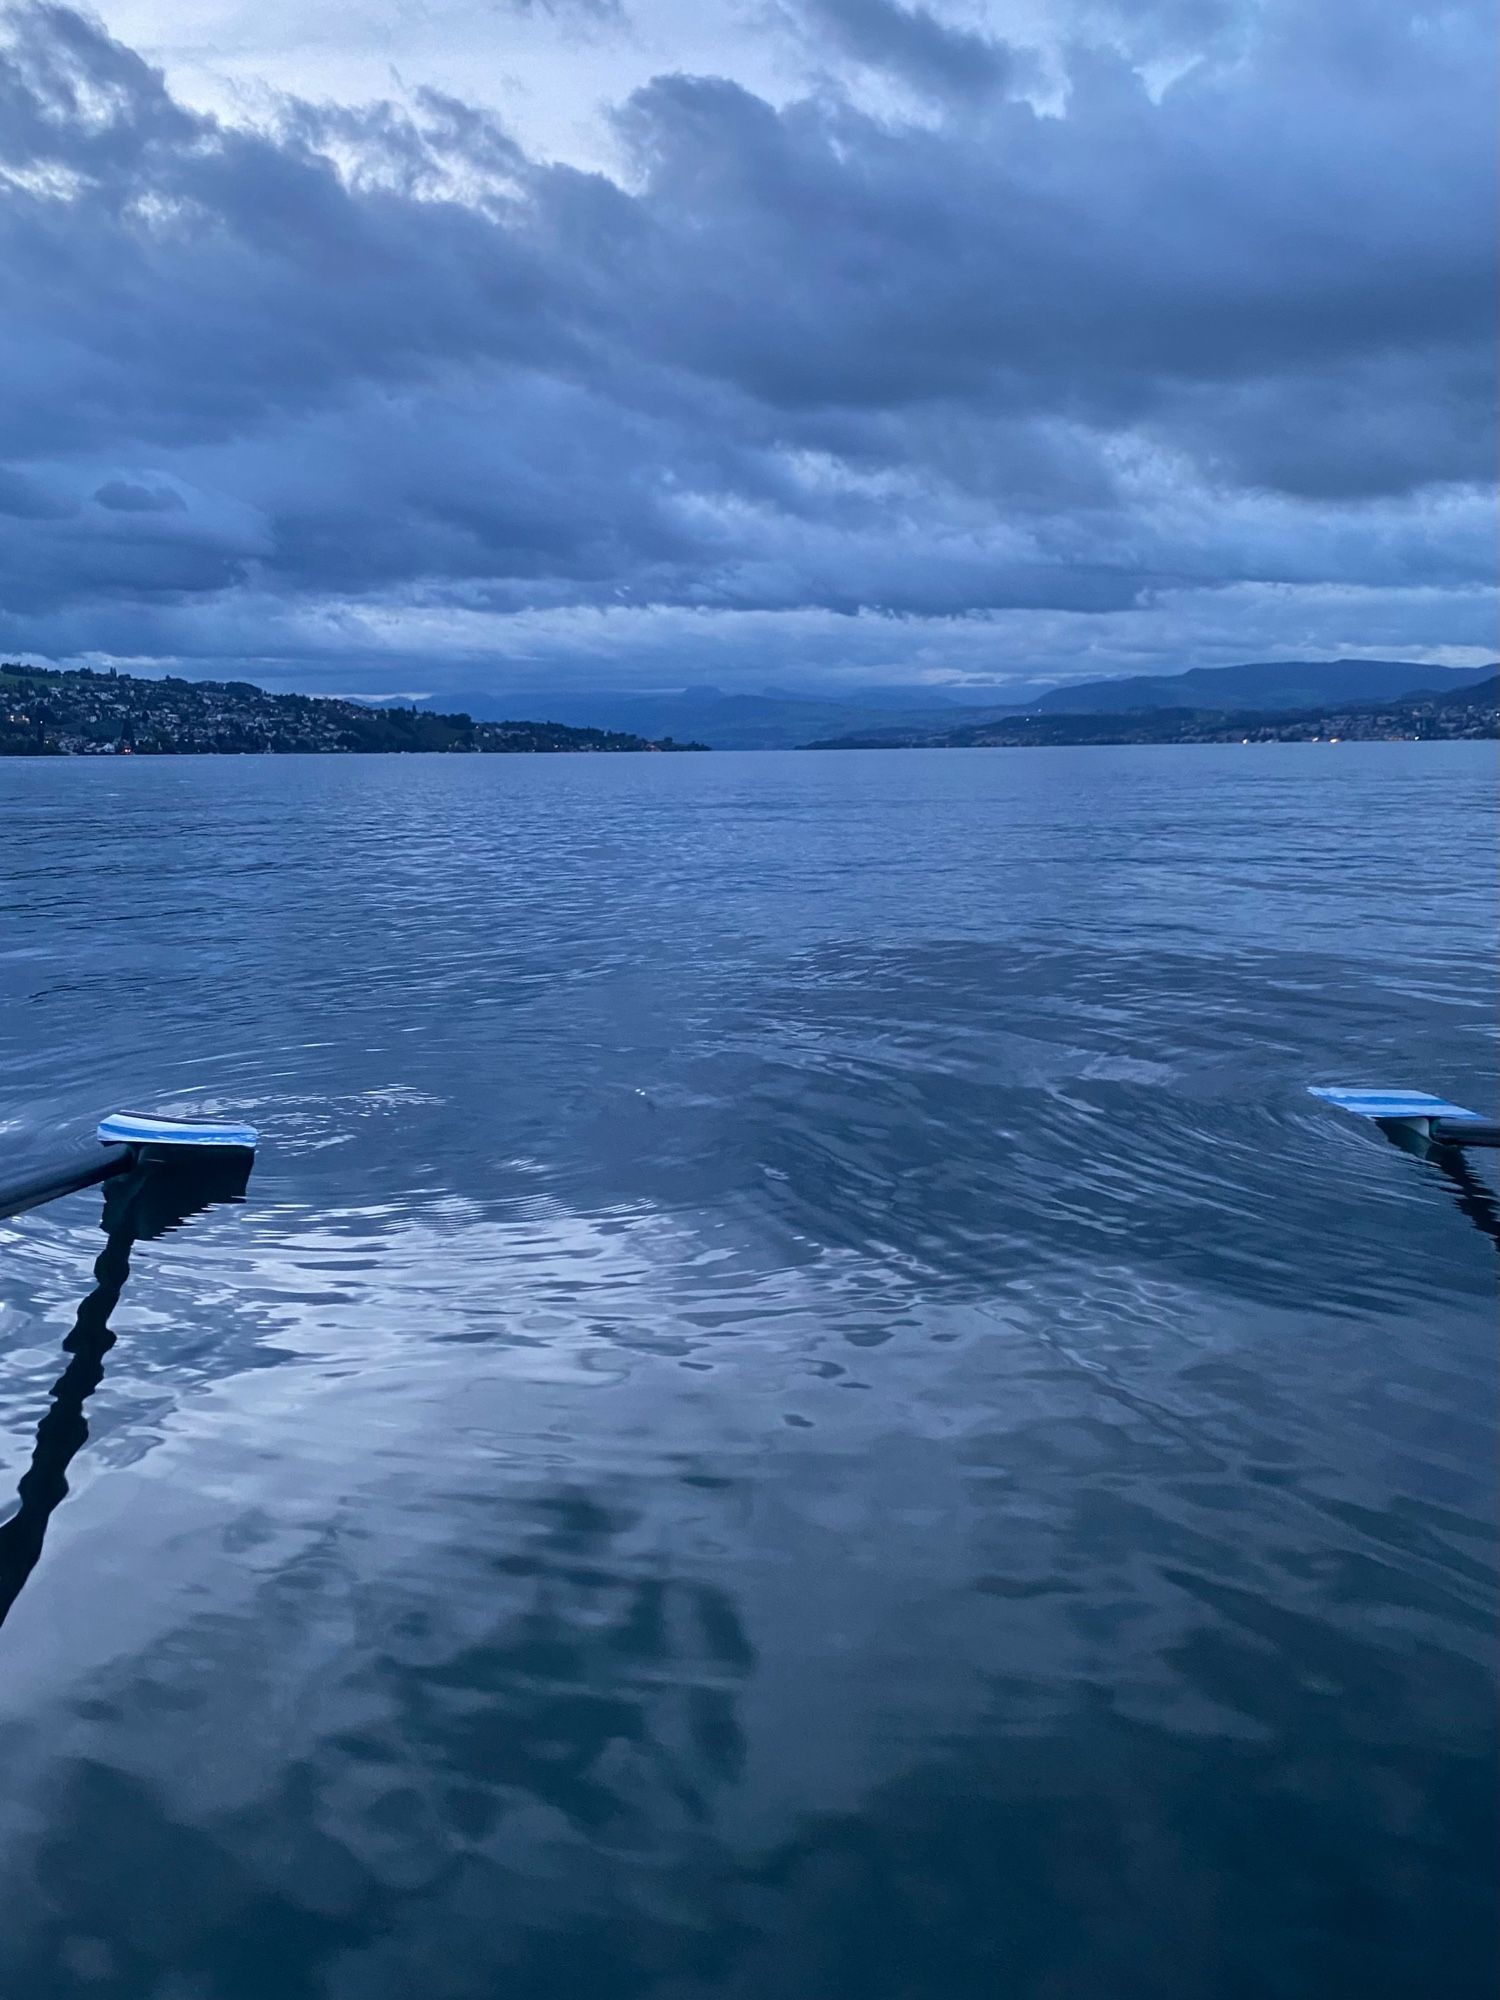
(81, 712)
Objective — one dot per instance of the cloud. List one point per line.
(914, 46)
(126, 496)
(1163, 345)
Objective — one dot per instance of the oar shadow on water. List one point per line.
(1472, 1196)
(153, 1198)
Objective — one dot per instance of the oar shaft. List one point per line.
(1465, 1132)
(63, 1177)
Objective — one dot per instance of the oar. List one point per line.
(126, 1137)
(1438, 1133)
(162, 1183)
(1415, 1113)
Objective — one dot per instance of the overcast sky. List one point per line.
(376, 345)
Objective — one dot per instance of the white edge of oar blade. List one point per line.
(150, 1128)
(1416, 1108)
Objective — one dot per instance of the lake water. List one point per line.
(801, 1404)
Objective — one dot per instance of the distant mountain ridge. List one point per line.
(1467, 713)
(1267, 684)
(724, 721)
(776, 719)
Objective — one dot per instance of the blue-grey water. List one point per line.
(801, 1404)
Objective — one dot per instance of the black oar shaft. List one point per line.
(1465, 1132)
(79, 1170)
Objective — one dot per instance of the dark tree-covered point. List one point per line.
(53, 712)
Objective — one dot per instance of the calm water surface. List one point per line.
(801, 1404)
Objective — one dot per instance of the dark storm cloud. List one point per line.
(125, 496)
(814, 356)
(1102, 266)
(915, 46)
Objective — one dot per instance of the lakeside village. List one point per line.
(78, 712)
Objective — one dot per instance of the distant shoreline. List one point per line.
(79, 712)
(1469, 714)
(799, 750)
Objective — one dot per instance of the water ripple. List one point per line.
(801, 1402)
